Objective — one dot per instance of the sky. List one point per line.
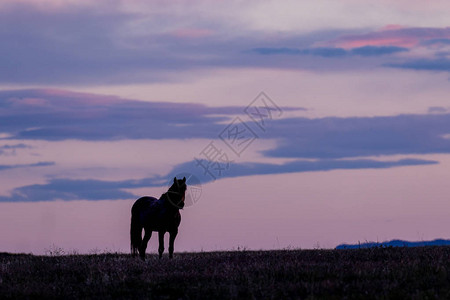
(299, 124)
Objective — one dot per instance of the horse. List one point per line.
(161, 215)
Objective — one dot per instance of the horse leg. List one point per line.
(161, 243)
(143, 247)
(172, 237)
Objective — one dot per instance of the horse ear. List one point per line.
(184, 179)
(174, 180)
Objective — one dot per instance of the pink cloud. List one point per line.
(28, 102)
(393, 35)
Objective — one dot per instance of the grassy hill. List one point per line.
(370, 273)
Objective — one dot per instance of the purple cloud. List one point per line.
(39, 164)
(59, 115)
(397, 36)
(11, 149)
(436, 42)
(332, 52)
(323, 52)
(437, 109)
(248, 169)
(377, 50)
(333, 137)
(90, 189)
(439, 64)
(86, 46)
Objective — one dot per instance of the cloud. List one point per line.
(440, 64)
(39, 164)
(68, 189)
(191, 33)
(333, 137)
(75, 189)
(323, 52)
(90, 189)
(437, 42)
(437, 109)
(214, 171)
(90, 44)
(85, 45)
(60, 115)
(59, 46)
(399, 37)
(333, 52)
(15, 146)
(11, 149)
(272, 51)
(64, 115)
(376, 51)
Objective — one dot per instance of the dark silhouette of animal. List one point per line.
(161, 215)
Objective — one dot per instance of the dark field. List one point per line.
(401, 273)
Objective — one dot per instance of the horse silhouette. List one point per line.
(161, 215)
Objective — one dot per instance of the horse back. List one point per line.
(144, 207)
(153, 216)
(143, 203)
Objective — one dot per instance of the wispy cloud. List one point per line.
(39, 164)
(445, 41)
(437, 109)
(438, 64)
(89, 117)
(324, 52)
(377, 50)
(11, 149)
(393, 36)
(69, 189)
(90, 189)
(59, 115)
(355, 137)
(79, 45)
(250, 169)
(333, 52)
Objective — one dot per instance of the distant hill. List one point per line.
(395, 243)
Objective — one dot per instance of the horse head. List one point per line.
(177, 192)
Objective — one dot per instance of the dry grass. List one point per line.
(402, 273)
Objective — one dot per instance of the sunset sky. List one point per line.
(329, 121)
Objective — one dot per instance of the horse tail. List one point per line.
(135, 231)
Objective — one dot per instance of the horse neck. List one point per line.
(167, 204)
